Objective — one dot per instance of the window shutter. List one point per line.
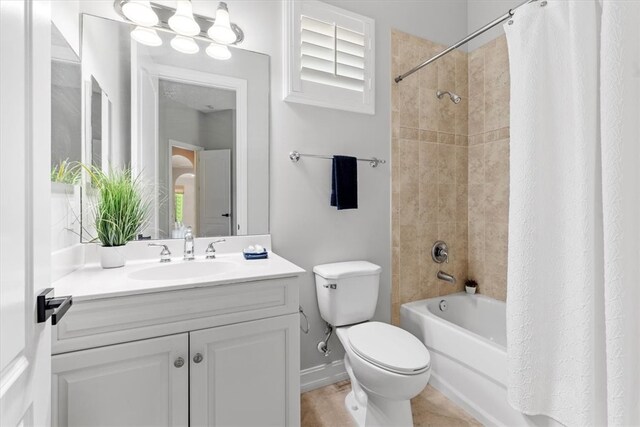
(329, 55)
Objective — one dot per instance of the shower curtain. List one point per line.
(573, 299)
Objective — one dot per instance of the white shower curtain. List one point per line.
(573, 278)
(620, 123)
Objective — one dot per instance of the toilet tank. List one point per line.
(347, 291)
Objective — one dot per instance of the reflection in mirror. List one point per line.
(195, 129)
(197, 134)
(66, 142)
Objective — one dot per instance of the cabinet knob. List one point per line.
(197, 358)
(179, 363)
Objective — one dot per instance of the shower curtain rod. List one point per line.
(471, 36)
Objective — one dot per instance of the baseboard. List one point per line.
(322, 375)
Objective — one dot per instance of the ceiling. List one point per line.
(201, 98)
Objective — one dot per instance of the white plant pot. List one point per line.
(112, 256)
(470, 289)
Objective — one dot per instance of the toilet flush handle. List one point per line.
(330, 285)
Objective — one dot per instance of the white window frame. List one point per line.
(305, 92)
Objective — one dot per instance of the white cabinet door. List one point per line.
(247, 374)
(133, 384)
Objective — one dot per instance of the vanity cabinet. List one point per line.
(232, 366)
(126, 384)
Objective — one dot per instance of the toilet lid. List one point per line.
(389, 347)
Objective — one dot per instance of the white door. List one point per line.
(247, 374)
(214, 181)
(142, 383)
(25, 234)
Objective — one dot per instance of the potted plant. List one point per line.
(121, 211)
(470, 286)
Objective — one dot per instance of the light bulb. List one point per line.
(140, 12)
(185, 44)
(221, 31)
(218, 51)
(182, 21)
(146, 36)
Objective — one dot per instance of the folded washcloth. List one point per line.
(344, 182)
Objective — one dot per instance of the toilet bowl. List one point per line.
(387, 365)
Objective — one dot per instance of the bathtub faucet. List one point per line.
(446, 277)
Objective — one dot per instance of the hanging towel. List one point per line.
(344, 182)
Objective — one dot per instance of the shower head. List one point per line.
(452, 96)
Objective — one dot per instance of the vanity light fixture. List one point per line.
(182, 22)
(146, 36)
(221, 32)
(185, 44)
(140, 12)
(151, 17)
(218, 51)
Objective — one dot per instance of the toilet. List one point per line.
(387, 365)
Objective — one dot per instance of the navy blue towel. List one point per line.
(344, 182)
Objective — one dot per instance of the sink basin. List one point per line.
(183, 270)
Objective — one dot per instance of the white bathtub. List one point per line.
(467, 342)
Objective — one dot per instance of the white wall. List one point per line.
(105, 59)
(304, 228)
(481, 12)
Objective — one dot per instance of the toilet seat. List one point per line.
(389, 347)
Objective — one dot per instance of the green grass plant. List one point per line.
(66, 172)
(121, 209)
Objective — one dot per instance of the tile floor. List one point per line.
(324, 407)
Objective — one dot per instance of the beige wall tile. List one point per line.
(462, 117)
(476, 164)
(462, 75)
(446, 203)
(446, 164)
(462, 201)
(497, 201)
(446, 73)
(428, 112)
(476, 73)
(408, 183)
(476, 203)
(408, 107)
(446, 115)
(496, 157)
(462, 164)
(476, 114)
(428, 136)
(428, 203)
(496, 108)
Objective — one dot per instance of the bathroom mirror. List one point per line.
(194, 128)
(66, 141)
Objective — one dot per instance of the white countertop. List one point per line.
(93, 282)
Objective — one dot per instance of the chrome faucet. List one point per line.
(440, 254)
(189, 246)
(211, 250)
(446, 277)
(165, 254)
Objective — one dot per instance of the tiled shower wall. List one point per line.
(447, 185)
(429, 170)
(489, 166)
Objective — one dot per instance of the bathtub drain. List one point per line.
(443, 305)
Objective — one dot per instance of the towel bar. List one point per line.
(373, 162)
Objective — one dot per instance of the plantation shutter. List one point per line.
(331, 55)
